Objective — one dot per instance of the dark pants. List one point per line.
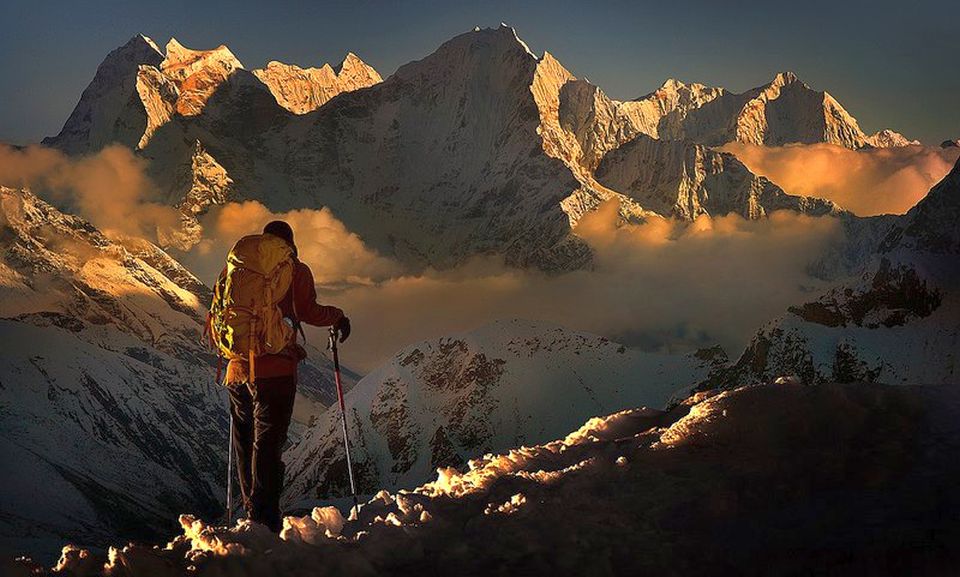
(261, 417)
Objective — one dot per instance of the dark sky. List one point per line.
(892, 64)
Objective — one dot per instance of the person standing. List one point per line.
(262, 382)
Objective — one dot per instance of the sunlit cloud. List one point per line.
(336, 256)
(866, 182)
(662, 285)
(109, 188)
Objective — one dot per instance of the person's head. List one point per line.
(281, 229)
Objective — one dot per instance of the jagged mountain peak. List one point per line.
(279, 66)
(483, 49)
(785, 78)
(198, 73)
(503, 33)
(888, 138)
(677, 85)
(549, 59)
(180, 61)
(782, 80)
(142, 40)
(174, 46)
(354, 73)
(139, 48)
(98, 119)
(673, 91)
(350, 61)
(302, 90)
(784, 110)
(672, 83)
(176, 51)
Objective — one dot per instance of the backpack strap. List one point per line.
(250, 354)
(207, 337)
(293, 301)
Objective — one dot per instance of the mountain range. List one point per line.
(894, 319)
(519, 149)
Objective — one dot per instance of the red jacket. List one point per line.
(307, 310)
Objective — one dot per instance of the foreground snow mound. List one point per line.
(759, 480)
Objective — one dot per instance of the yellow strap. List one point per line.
(253, 332)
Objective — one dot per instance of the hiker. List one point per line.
(261, 375)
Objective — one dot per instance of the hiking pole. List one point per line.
(332, 345)
(230, 474)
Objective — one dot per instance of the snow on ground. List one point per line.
(783, 479)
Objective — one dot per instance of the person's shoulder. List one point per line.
(300, 269)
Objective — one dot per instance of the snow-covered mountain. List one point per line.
(109, 409)
(755, 481)
(443, 402)
(896, 321)
(783, 111)
(197, 74)
(482, 147)
(111, 108)
(138, 89)
(140, 93)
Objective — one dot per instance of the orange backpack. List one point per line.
(245, 319)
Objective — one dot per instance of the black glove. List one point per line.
(342, 328)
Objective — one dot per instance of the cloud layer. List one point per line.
(109, 188)
(662, 285)
(867, 182)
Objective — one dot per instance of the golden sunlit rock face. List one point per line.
(138, 89)
(302, 90)
(198, 73)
